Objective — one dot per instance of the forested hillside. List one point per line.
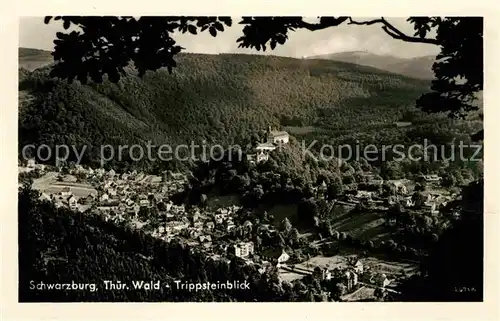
(225, 99)
(222, 99)
(219, 98)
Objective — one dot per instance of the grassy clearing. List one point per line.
(32, 59)
(49, 184)
(363, 226)
(290, 276)
(217, 201)
(389, 267)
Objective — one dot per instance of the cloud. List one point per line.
(33, 33)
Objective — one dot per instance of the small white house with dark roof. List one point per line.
(380, 280)
(274, 139)
(71, 202)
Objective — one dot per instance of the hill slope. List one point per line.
(418, 67)
(31, 59)
(218, 98)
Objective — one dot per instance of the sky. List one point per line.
(33, 33)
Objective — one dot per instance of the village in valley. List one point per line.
(225, 232)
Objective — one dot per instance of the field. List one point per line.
(340, 261)
(49, 184)
(363, 226)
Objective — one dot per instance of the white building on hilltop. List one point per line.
(277, 137)
(274, 139)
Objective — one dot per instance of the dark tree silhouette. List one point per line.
(105, 45)
(451, 273)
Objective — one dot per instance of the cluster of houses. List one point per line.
(402, 195)
(114, 193)
(31, 166)
(266, 259)
(207, 231)
(197, 227)
(65, 198)
(353, 275)
(121, 197)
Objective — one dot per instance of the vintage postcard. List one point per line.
(251, 158)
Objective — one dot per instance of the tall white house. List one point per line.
(244, 249)
(277, 137)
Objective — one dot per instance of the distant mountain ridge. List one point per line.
(31, 59)
(417, 67)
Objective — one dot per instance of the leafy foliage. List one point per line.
(459, 66)
(107, 44)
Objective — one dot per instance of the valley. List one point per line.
(297, 228)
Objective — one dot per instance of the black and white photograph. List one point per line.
(250, 159)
